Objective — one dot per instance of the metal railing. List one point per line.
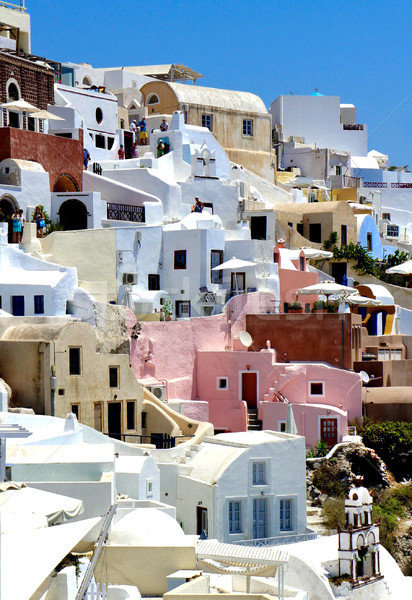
(280, 539)
(207, 298)
(20, 6)
(126, 212)
(356, 127)
(162, 441)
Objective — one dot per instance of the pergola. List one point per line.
(238, 559)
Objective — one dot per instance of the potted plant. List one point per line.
(319, 306)
(295, 307)
(168, 309)
(333, 307)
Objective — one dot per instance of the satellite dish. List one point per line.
(365, 376)
(245, 339)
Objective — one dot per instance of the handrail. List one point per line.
(84, 586)
(21, 7)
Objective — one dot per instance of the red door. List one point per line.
(249, 388)
(329, 431)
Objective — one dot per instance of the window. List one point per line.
(74, 361)
(61, 392)
(149, 488)
(153, 282)
(207, 121)
(13, 92)
(259, 518)
(248, 127)
(131, 414)
(299, 228)
(301, 263)
(99, 115)
(338, 170)
(315, 233)
(114, 377)
(259, 473)
(75, 409)
(180, 259)
(369, 241)
(100, 141)
(143, 420)
(316, 388)
(110, 142)
(182, 309)
(282, 426)
(38, 305)
(216, 259)
(17, 306)
(235, 516)
(223, 383)
(286, 307)
(386, 216)
(153, 99)
(343, 235)
(285, 515)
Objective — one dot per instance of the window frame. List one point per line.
(259, 478)
(218, 380)
(217, 275)
(282, 518)
(37, 301)
(80, 370)
(235, 525)
(114, 369)
(205, 118)
(248, 126)
(131, 403)
(316, 382)
(176, 261)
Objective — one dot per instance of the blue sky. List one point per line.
(360, 51)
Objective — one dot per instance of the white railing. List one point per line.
(207, 298)
(281, 539)
(95, 592)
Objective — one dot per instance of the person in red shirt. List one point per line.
(120, 152)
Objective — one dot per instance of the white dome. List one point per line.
(146, 527)
(361, 494)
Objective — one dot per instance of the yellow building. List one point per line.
(239, 120)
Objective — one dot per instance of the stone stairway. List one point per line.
(253, 423)
(315, 520)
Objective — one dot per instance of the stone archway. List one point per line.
(65, 183)
(73, 215)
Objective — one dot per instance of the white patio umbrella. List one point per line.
(327, 288)
(19, 106)
(314, 253)
(360, 300)
(45, 114)
(403, 269)
(290, 421)
(234, 264)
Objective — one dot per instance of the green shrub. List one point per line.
(327, 479)
(334, 513)
(390, 440)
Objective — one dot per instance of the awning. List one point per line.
(55, 507)
(35, 553)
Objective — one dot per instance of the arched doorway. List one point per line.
(8, 206)
(65, 183)
(73, 215)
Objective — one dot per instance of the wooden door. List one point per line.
(329, 431)
(249, 388)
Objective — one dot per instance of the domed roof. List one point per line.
(146, 527)
(361, 494)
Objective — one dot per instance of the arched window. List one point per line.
(153, 99)
(99, 115)
(13, 92)
(87, 80)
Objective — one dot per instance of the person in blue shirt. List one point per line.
(143, 131)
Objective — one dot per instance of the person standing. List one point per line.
(135, 152)
(15, 219)
(163, 125)
(143, 131)
(22, 221)
(86, 158)
(120, 152)
(38, 218)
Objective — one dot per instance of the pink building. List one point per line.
(293, 274)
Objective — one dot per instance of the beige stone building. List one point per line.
(239, 120)
(56, 369)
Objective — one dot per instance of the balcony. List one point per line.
(355, 127)
(207, 298)
(281, 539)
(126, 212)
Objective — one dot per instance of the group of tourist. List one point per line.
(18, 225)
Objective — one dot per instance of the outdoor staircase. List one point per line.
(253, 423)
(315, 520)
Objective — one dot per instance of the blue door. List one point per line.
(17, 305)
(259, 518)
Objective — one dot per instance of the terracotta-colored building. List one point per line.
(332, 338)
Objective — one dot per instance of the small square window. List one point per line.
(259, 473)
(180, 259)
(61, 392)
(114, 377)
(316, 388)
(207, 121)
(38, 305)
(222, 383)
(248, 127)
